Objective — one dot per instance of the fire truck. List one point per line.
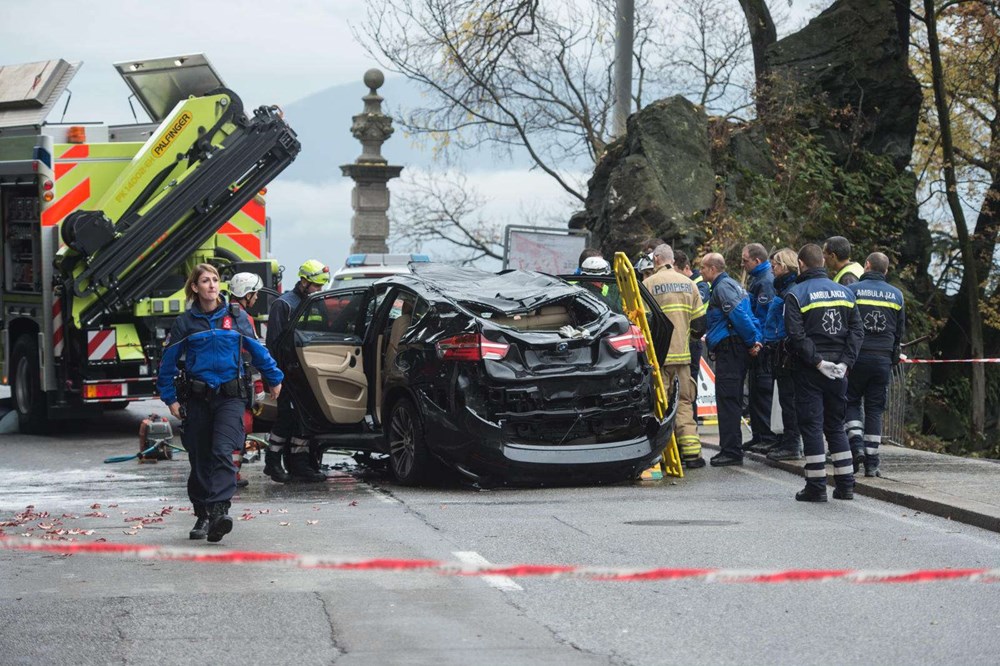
(102, 223)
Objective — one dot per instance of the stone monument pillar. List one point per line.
(371, 172)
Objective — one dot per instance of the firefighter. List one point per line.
(837, 254)
(302, 464)
(683, 266)
(825, 333)
(243, 288)
(680, 301)
(883, 315)
(760, 287)
(785, 265)
(211, 337)
(733, 337)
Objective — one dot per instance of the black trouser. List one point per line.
(820, 404)
(286, 423)
(761, 397)
(730, 372)
(868, 384)
(789, 419)
(695, 347)
(213, 429)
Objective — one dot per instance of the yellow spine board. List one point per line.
(635, 310)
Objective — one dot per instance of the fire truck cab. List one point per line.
(100, 224)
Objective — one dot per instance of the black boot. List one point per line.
(871, 466)
(811, 494)
(857, 453)
(273, 468)
(219, 522)
(300, 468)
(785, 452)
(200, 529)
(843, 492)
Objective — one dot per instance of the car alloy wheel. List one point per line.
(408, 455)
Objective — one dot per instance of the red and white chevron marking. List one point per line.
(57, 328)
(101, 345)
(949, 360)
(707, 575)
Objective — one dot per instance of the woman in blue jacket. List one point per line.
(211, 336)
(785, 264)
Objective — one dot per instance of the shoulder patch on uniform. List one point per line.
(728, 306)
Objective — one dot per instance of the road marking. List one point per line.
(381, 496)
(886, 513)
(499, 582)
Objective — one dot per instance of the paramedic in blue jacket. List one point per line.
(785, 264)
(733, 337)
(883, 314)
(825, 333)
(211, 337)
(760, 287)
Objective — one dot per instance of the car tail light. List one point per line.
(470, 347)
(633, 340)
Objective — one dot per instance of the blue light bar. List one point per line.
(355, 260)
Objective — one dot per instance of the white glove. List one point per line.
(841, 370)
(829, 370)
(568, 331)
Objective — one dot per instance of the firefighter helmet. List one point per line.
(244, 284)
(315, 271)
(595, 266)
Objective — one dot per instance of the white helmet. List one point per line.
(595, 266)
(244, 284)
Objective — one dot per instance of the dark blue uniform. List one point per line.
(822, 323)
(774, 340)
(732, 329)
(761, 292)
(883, 315)
(211, 344)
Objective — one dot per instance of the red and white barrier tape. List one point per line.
(708, 575)
(903, 359)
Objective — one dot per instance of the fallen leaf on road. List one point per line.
(282, 524)
(311, 522)
(69, 515)
(95, 505)
(353, 503)
(96, 514)
(282, 510)
(111, 506)
(130, 532)
(247, 516)
(263, 511)
(46, 526)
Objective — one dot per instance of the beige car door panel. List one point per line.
(340, 387)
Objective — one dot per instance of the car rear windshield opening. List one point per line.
(552, 316)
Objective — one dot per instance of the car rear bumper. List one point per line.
(478, 448)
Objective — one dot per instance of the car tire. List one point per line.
(409, 458)
(26, 389)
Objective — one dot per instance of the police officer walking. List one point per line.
(825, 333)
(302, 465)
(680, 301)
(837, 254)
(761, 291)
(883, 315)
(733, 337)
(211, 337)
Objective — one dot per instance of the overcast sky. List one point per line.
(269, 52)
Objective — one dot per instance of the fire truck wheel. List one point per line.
(29, 401)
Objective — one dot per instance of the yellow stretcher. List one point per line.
(635, 310)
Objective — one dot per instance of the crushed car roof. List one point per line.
(509, 292)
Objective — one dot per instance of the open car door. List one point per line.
(322, 354)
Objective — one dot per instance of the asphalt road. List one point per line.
(57, 609)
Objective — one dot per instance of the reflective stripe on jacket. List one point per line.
(680, 301)
(822, 321)
(882, 312)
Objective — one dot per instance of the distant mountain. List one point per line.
(323, 124)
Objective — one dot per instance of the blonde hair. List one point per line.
(787, 257)
(192, 281)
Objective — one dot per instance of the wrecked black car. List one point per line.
(514, 377)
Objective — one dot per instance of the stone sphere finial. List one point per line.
(374, 78)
